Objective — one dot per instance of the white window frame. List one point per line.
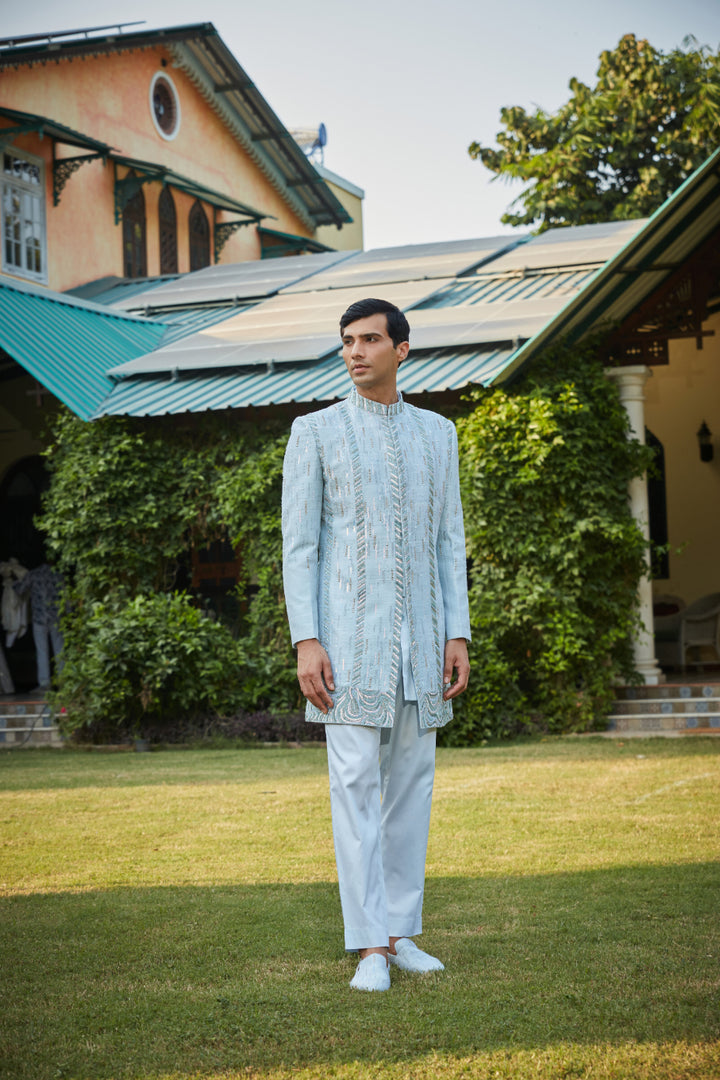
(168, 136)
(31, 220)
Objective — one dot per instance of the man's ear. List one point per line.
(402, 350)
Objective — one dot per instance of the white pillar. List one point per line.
(631, 384)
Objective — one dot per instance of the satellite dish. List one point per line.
(312, 141)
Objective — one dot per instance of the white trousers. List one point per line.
(381, 782)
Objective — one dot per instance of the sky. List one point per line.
(404, 86)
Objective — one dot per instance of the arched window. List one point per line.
(134, 237)
(199, 237)
(168, 233)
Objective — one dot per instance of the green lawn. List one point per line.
(175, 915)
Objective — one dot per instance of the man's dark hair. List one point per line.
(397, 325)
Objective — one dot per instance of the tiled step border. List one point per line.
(693, 708)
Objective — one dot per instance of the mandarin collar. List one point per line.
(376, 407)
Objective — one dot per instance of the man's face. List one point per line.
(370, 356)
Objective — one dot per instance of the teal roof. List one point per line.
(328, 380)
(258, 334)
(69, 345)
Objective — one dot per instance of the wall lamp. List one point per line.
(704, 437)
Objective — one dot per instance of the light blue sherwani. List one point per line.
(373, 539)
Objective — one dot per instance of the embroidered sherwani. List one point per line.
(374, 553)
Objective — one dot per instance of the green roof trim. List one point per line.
(149, 172)
(672, 233)
(288, 244)
(25, 123)
(69, 345)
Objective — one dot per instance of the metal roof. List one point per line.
(508, 288)
(23, 122)
(113, 290)
(326, 381)
(578, 245)
(283, 347)
(69, 344)
(476, 311)
(412, 262)
(228, 282)
(285, 327)
(647, 258)
(151, 170)
(202, 55)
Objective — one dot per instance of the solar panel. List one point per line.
(476, 324)
(285, 328)
(580, 245)
(414, 262)
(232, 281)
(199, 354)
(302, 312)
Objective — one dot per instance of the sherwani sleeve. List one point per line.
(452, 566)
(302, 498)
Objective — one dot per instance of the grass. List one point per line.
(175, 915)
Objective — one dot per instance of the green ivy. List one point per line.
(554, 553)
(554, 559)
(248, 499)
(141, 661)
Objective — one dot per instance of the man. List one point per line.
(376, 593)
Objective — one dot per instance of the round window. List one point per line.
(164, 106)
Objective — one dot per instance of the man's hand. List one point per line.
(456, 659)
(315, 673)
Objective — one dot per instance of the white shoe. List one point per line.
(372, 973)
(410, 958)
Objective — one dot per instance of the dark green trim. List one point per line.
(27, 123)
(148, 172)
(290, 244)
(646, 263)
(63, 169)
(662, 229)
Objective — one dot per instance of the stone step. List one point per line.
(667, 706)
(649, 723)
(28, 723)
(671, 691)
(675, 708)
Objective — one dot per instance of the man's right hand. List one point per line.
(315, 673)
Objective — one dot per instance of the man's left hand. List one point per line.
(456, 659)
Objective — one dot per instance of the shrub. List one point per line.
(142, 661)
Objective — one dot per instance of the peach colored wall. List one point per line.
(107, 97)
(350, 237)
(678, 397)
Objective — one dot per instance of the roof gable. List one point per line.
(198, 50)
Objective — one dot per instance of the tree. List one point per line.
(616, 150)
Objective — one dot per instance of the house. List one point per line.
(263, 334)
(139, 153)
(125, 154)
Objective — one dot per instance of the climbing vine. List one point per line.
(554, 553)
(554, 559)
